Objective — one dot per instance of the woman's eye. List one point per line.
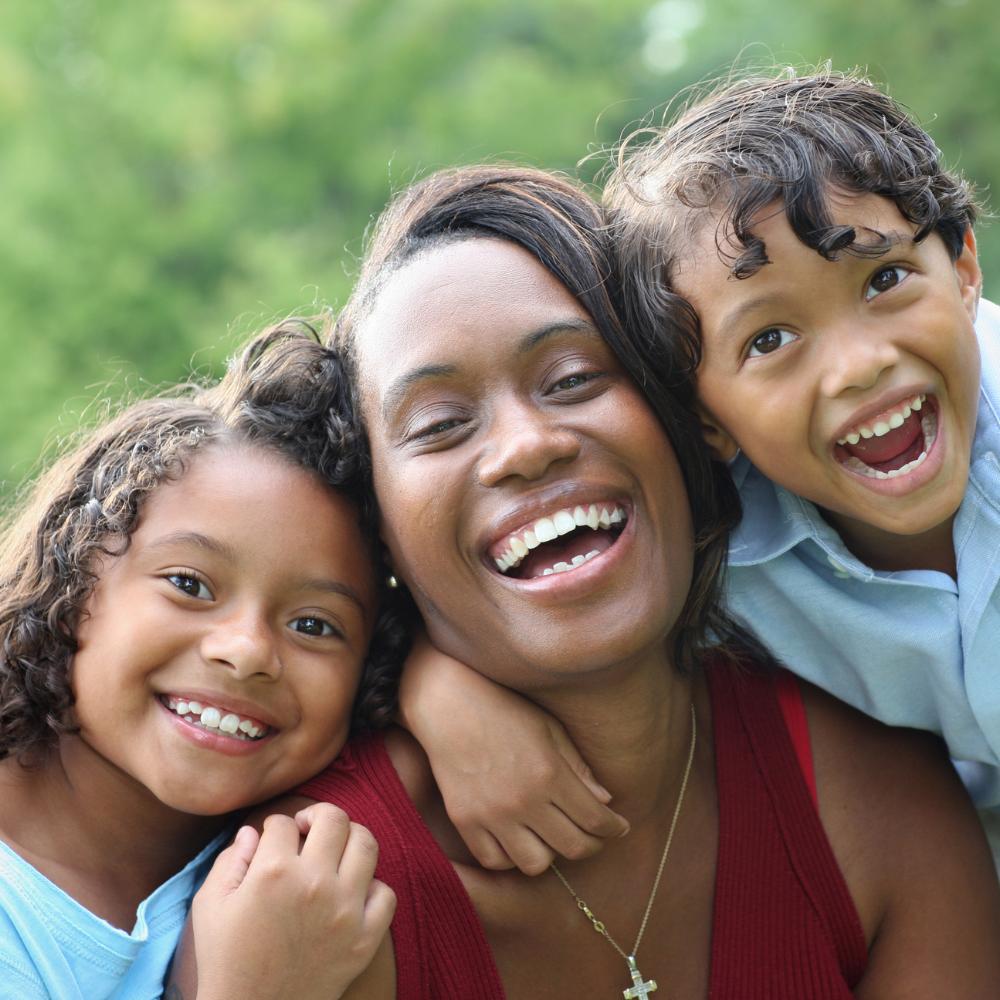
(573, 381)
(884, 279)
(189, 584)
(769, 341)
(311, 625)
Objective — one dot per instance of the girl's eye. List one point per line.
(311, 625)
(884, 279)
(769, 341)
(188, 583)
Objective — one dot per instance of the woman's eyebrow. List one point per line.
(398, 388)
(569, 325)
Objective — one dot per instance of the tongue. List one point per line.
(563, 549)
(878, 451)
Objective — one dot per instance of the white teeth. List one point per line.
(545, 530)
(230, 723)
(211, 717)
(564, 522)
(883, 427)
(928, 425)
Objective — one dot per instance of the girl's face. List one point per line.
(220, 653)
(529, 496)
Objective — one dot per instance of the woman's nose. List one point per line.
(525, 442)
(243, 643)
(856, 360)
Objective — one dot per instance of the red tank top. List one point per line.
(784, 925)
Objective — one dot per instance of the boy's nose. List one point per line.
(856, 360)
(243, 644)
(524, 442)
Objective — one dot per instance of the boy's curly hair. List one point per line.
(785, 139)
(285, 392)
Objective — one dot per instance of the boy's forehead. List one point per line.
(712, 241)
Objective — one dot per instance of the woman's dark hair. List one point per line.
(787, 140)
(284, 392)
(563, 228)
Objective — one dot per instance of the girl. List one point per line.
(187, 601)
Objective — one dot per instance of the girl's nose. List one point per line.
(244, 644)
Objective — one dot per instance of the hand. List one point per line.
(514, 786)
(274, 921)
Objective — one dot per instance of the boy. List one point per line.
(831, 261)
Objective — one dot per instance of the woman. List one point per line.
(501, 398)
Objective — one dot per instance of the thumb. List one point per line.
(231, 865)
(569, 753)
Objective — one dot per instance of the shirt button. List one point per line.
(838, 568)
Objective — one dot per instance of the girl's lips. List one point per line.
(213, 738)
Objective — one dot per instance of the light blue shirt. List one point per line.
(912, 648)
(52, 947)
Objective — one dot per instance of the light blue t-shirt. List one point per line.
(912, 648)
(52, 948)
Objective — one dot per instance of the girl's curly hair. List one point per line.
(285, 392)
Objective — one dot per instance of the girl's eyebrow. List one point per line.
(195, 538)
(398, 389)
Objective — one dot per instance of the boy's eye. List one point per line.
(769, 341)
(884, 279)
(188, 583)
(311, 625)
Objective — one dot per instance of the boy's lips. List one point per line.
(894, 449)
(218, 715)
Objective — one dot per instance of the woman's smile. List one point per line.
(527, 490)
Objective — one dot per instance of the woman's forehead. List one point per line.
(474, 294)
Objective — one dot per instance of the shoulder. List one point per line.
(897, 816)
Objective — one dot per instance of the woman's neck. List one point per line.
(633, 727)
(94, 831)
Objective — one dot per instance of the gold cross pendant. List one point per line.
(639, 990)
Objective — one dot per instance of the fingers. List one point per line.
(567, 749)
(590, 816)
(326, 829)
(486, 849)
(380, 908)
(230, 867)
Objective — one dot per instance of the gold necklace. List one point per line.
(640, 989)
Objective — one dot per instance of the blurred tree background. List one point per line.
(175, 173)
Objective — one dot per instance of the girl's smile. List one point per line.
(221, 651)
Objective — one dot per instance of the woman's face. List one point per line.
(529, 496)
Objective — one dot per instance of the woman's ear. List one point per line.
(970, 277)
(719, 440)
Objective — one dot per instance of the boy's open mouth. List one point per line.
(560, 541)
(894, 443)
(217, 720)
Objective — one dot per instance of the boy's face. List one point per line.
(853, 383)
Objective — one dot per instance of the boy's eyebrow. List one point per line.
(883, 242)
(397, 389)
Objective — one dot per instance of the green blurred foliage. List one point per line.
(177, 172)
